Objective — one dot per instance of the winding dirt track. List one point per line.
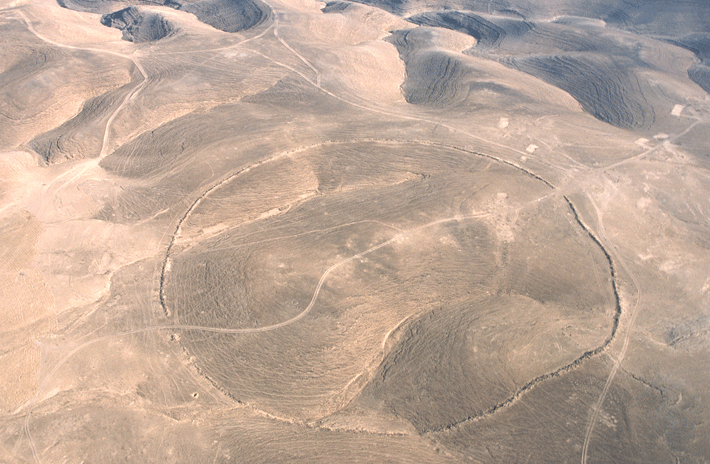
(87, 165)
(228, 178)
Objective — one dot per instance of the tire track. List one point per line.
(196, 202)
(617, 362)
(298, 55)
(528, 386)
(26, 429)
(400, 236)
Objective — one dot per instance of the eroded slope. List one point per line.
(225, 15)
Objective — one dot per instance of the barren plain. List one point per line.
(376, 231)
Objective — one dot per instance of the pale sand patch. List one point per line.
(26, 306)
(677, 110)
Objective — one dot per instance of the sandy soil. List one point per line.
(294, 231)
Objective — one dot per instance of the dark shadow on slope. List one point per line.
(598, 72)
(82, 136)
(700, 74)
(700, 45)
(433, 77)
(485, 32)
(604, 86)
(225, 15)
(656, 17)
(335, 7)
(139, 26)
(79, 137)
(229, 15)
(696, 43)
(438, 78)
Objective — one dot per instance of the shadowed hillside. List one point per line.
(608, 89)
(225, 15)
(139, 26)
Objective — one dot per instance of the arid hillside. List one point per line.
(378, 231)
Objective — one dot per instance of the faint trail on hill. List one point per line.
(586, 355)
(318, 74)
(176, 234)
(413, 118)
(302, 314)
(634, 311)
(310, 305)
(314, 298)
(104, 146)
(298, 55)
(652, 149)
(226, 47)
(317, 83)
(308, 232)
(617, 362)
(402, 235)
(26, 429)
(88, 165)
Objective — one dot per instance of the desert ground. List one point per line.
(377, 231)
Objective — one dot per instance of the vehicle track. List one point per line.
(528, 386)
(622, 353)
(176, 234)
(298, 55)
(296, 318)
(652, 149)
(26, 429)
(634, 311)
(89, 164)
(400, 236)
